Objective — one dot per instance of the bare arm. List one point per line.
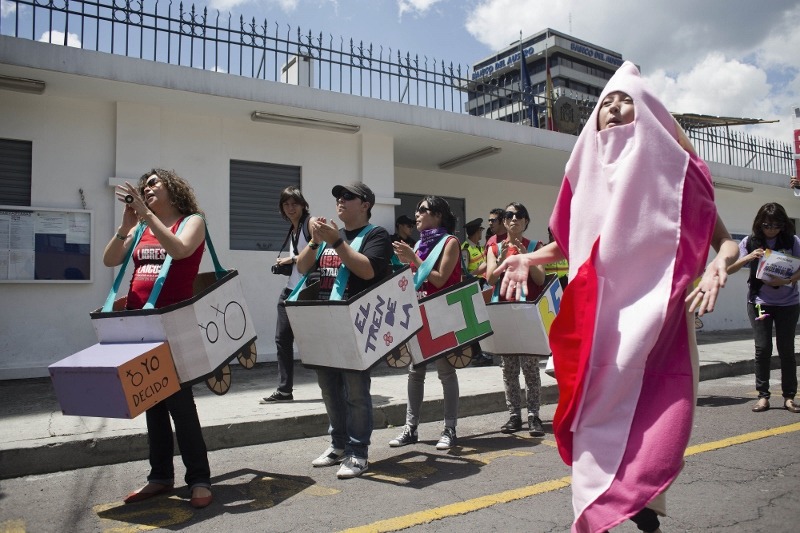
(444, 267)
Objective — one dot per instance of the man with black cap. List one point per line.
(472, 252)
(366, 252)
(403, 227)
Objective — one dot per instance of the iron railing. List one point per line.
(183, 35)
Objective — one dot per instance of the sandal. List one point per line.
(790, 406)
(147, 492)
(761, 405)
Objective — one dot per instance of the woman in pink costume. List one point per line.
(623, 342)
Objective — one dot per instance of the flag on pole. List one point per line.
(550, 95)
(796, 142)
(525, 87)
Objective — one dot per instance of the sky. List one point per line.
(737, 58)
(713, 57)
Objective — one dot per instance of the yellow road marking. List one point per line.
(475, 504)
(12, 526)
(741, 439)
(468, 506)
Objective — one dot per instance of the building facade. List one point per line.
(579, 70)
(77, 121)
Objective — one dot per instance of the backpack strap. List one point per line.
(427, 265)
(339, 285)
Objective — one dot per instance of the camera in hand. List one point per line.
(282, 270)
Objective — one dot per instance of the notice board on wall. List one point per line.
(45, 244)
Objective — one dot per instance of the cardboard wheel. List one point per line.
(399, 358)
(462, 357)
(219, 382)
(247, 357)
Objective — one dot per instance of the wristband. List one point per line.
(337, 243)
(120, 237)
(313, 245)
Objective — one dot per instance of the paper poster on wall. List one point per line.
(43, 244)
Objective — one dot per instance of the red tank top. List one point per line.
(148, 258)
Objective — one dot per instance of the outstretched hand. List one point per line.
(704, 297)
(516, 269)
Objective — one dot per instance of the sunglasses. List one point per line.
(492, 220)
(519, 214)
(422, 210)
(152, 182)
(347, 196)
(765, 225)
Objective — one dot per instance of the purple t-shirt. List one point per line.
(785, 294)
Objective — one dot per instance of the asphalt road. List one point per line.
(742, 474)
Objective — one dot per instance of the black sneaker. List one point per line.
(408, 436)
(513, 425)
(483, 360)
(277, 396)
(535, 425)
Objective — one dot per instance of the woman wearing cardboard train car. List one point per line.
(772, 302)
(516, 220)
(161, 201)
(435, 221)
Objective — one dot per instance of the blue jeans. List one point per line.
(349, 406)
(785, 319)
(190, 441)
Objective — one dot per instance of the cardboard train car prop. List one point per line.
(144, 356)
(357, 333)
(453, 321)
(522, 328)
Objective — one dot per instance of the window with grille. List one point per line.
(256, 222)
(15, 172)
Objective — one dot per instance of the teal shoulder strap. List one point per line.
(112, 294)
(337, 292)
(339, 285)
(162, 274)
(300, 284)
(425, 268)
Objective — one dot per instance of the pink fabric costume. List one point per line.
(644, 218)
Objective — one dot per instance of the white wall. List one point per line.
(83, 142)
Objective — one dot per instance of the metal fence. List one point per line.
(183, 35)
(721, 145)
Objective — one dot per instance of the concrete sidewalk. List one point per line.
(36, 438)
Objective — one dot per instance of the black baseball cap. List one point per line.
(357, 188)
(404, 220)
(472, 225)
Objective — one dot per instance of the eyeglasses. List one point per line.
(492, 220)
(347, 196)
(422, 210)
(765, 225)
(519, 214)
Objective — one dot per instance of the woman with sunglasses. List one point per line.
(161, 201)
(516, 220)
(772, 302)
(435, 221)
